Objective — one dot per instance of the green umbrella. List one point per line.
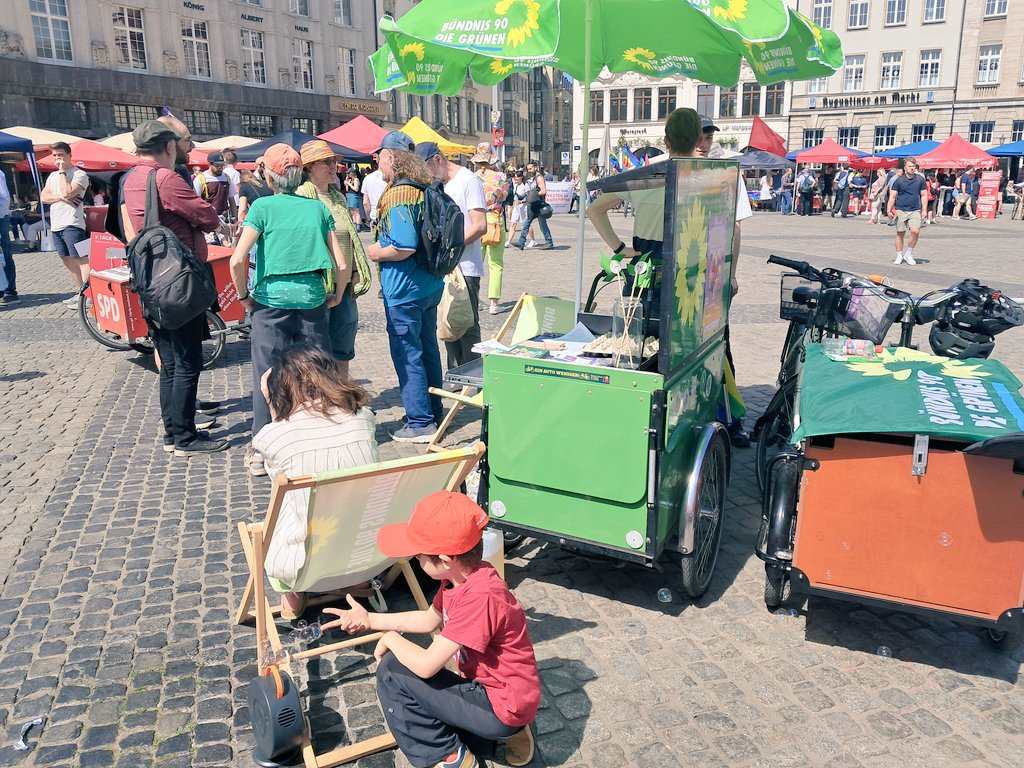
(438, 44)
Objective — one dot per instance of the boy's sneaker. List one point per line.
(207, 406)
(517, 750)
(201, 446)
(461, 759)
(71, 301)
(9, 298)
(414, 434)
(169, 441)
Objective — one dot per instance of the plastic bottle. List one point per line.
(494, 550)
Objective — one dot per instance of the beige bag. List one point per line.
(455, 312)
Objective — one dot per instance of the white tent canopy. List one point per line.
(122, 141)
(225, 142)
(39, 136)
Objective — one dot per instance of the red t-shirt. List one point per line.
(483, 617)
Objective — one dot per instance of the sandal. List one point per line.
(293, 605)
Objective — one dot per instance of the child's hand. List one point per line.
(354, 620)
(381, 647)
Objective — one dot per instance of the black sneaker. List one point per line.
(9, 298)
(205, 422)
(169, 441)
(200, 446)
(738, 436)
(208, 406)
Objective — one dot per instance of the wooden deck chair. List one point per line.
(531, 316)
(346, 509)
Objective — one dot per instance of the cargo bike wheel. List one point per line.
(773, 430)
(705, 506)
(213, 347)
(87, 317)
(778, 528)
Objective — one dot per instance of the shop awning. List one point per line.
(1013, 149)
(956, 152)
(828, 152)
(295, 140)
(419, 131)
(359, 133)
(911, 150)
(93, 156)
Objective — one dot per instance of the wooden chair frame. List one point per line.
(255, 538)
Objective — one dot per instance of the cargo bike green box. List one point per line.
(629, 463)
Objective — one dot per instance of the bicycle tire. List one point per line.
(87, 317)
(213, 348)
(775, 424)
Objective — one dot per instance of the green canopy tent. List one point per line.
(437, 44)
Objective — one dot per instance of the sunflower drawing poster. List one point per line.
(702, 234)
(908, 391)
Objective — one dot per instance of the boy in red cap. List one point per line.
(440, 719)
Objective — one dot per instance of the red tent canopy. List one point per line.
(359, 133)
(95, 157)
(873, 163)
(828, 152)
(956, 152)
(763, 137)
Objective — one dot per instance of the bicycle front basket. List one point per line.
(789, 309)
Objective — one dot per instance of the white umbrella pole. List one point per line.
(584, 154)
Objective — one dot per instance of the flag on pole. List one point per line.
(629, 159)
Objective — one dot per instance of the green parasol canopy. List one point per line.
(436, 45)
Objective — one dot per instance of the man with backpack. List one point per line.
(841, 192)
(463, 187)
(805, 186)
(411, 284)
(174, 285)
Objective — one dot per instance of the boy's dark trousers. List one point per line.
(431, 718)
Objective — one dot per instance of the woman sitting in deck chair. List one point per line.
(320, 422)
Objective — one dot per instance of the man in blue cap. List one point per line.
(411, 293)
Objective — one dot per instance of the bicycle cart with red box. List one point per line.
(111, 313)
(902, 488)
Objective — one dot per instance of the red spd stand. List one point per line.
(988, 194)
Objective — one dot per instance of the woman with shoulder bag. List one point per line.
(493, 241)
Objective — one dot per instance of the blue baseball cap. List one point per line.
(397, 140)
(427, 150)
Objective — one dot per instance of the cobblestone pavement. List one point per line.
(120, 569)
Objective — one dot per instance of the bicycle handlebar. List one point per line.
(802, 267)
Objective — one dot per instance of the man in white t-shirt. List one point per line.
(465, 188)
(373, 187)
(230, 158)
(63, 192)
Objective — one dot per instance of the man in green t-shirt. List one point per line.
(296, 254)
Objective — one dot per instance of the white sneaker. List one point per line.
(71, 301)
(898, 259)
(254, 463)
(531, 244)
(909, 259)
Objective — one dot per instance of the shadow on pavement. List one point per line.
(10, 378)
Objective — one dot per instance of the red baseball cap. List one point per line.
(443, 523)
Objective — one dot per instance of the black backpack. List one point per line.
(443, 231)
(172, 284)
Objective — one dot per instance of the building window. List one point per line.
(813, 137)
(849, 137)
(299, 7)
(302, 64)
(706, 100)
(254, 64)
(58, 113)
(774, 98)
(818, 85)
(853, 73)
(666, 102)
(617, 105)
(455, 110)
(597, 106)
(885, 136)
(981, 132)
(1017, 132)
(892, 66)
(929, 70)
(751, 100)
(995, 8)
(642, 105)
(726, 102)
(348, 71)
(51, 29)
(257, 3)
(922, 132)
(858, 18)
(129, 37)
(258, 126)
(895, 12)
(821, 14)
(196, 44)
(128, 116)
(310, 125)
(988, 64)
(934, 10)
(203, 122)
(343, 12)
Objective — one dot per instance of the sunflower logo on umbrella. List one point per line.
(417, 51)
(519, 34)
(732, 11)
(894, 362)
(499, 67)
(641, 57)
(692, 263)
